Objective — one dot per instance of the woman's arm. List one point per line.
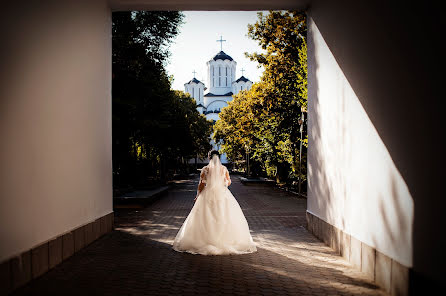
(202, 183)
(201, 186)
(228, 178)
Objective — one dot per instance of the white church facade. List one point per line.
(222, 82)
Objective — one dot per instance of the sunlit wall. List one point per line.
(353, 182)
(378, 93)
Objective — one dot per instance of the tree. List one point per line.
(269, 114)
(154, 127)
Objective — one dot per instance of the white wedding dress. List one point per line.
(216, 224)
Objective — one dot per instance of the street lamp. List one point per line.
(247, 159)
(301, 122)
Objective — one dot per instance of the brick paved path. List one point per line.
(137, 259)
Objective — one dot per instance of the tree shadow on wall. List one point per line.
(390, 96)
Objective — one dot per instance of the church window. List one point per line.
(193, 92)
(226, 81)
(219, 81)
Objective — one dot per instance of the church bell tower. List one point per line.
(221, 72)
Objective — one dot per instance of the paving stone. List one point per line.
(67, 245)
(55, 251)
(368, 260)
(21, 269)
(383, 270)
(400, 279)
(5, 277)
(79, 238)
(39, 260)
(136, 258)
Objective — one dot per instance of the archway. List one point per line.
(48, 91)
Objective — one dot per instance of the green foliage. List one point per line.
(154, 127)
(266, 120)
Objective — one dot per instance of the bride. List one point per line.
(216, 224)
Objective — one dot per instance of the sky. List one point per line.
(197, 43)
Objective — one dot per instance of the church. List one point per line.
(222, 82)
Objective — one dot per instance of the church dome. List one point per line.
(243, 78)
(222, 56)
(195, 80)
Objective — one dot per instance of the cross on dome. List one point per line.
(243, 70)
(221, 42)
(194, 73)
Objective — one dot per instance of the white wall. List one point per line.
(385, 75)
(195, 91)
(213, 100)
(241, 85)
(55, 120)
(353, 182)
(217, 105)
(222, 88)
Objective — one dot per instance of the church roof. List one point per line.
(243, 78)
(195, 80)
(214, 95)
(222, 56)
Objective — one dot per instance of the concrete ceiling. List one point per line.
(208, 4)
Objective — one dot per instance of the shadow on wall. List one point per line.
(389, 55)
(354, 183)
